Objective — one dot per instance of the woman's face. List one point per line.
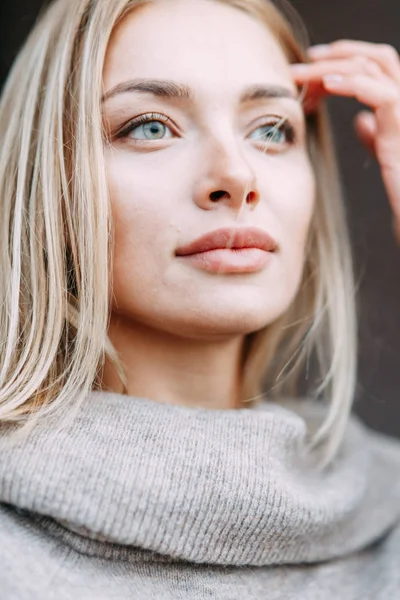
(205, 162)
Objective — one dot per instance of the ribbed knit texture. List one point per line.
(144, 500)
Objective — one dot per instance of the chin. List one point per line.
(240, 324)
(226, 322)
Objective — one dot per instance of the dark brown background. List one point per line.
(377, 259)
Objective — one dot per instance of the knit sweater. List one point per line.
(136, 499)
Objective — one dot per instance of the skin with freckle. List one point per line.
(160, 180)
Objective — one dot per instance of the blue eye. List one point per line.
(278, 132)
(152, 130)
(152, 127)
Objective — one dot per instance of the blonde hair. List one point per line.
(56, 235)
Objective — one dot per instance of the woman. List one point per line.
(174, 243)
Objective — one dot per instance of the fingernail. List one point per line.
(318, 50)
(333, 79)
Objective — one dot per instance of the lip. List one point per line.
(230, 250)
(230, 238)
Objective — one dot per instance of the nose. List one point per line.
(229, 178)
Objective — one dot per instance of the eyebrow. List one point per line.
(172, 90)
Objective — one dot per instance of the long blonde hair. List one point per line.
(56, 235)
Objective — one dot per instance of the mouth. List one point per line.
(230, 250)
(238, 260)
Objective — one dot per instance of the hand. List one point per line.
(370, 73)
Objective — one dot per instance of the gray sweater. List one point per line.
(147, 501)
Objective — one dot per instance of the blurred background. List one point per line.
(377, 258)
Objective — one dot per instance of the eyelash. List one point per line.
(140, 120)
(282, 123)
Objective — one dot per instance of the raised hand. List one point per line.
(370, 73)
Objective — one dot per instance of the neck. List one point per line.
(173, 369)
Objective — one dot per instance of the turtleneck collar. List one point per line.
(229, 487)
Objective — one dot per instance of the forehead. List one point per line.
(202, 42)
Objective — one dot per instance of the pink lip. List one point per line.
(230, 238)
(230, 250)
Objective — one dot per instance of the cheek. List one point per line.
(142, 204)
(144, 214)
(293, 209)
(293, 201)
(301, 200)
(139, 218)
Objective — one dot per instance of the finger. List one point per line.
(311, 94)
(309, 77)
(313, 71)
(366, 129)
(385, 55)
(364, 88)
